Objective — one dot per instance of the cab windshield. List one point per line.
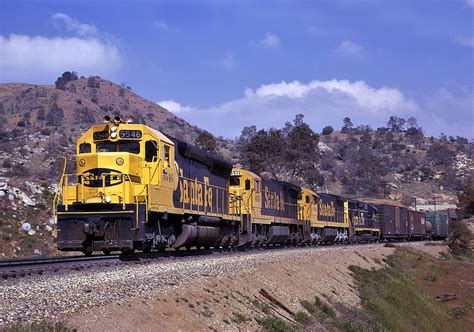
(120, 146)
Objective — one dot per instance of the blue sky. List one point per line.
(225, 64)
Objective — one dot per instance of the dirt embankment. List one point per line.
(235, 302)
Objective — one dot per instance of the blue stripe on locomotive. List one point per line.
(203, 172)
(280, 199)
(330, 208)
(362, 214)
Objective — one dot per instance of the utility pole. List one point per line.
(434, 202)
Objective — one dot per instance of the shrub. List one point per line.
(327, 130)
(460, 238)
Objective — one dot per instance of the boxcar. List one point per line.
(417, 224)
(439, 222)
(393, 218)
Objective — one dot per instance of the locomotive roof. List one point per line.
(190, 151)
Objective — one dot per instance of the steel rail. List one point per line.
(21, 267)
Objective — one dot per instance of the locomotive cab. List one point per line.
(117, 164)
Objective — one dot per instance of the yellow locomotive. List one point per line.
(136, 188)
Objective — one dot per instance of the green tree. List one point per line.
(440, 154)
(363, 172)
(207, 142)
(302, 154)
(328, 130)
(67, 76)
(396, 124)
(347, 125)
(55, 116)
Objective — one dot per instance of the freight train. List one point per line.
(135, 188)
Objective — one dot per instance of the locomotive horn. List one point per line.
(117, 120)
(106, 119)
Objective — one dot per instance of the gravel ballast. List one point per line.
(52, 296)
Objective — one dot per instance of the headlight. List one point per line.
(113, 129)
(82, 162)
(119, 161)
(108, 199)
(113, 134)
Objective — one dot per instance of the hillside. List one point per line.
(40, 123)
(405, 166)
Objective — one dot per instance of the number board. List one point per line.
(100, 135)
(134, 134)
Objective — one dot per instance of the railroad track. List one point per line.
(15, 268)
(22, 267)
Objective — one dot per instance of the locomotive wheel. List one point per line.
(106, 252)
(128, 251)
(87, 251)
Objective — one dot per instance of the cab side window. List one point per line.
(151, 151)
(85, 148)
(166, 156)
(247, 184)
(307, 199)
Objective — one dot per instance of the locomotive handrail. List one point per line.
(62, 192)
(59, 191)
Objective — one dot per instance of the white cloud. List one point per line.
(174, 106)
(161, 25)
(450, 111)
(322, 102)
(348, 47)
(42, 59)
(466, 41)
(270, 40)
(470, 3)
(73, 25)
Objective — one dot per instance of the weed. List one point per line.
(458, 312)
(324, 307)
(39, 327)
(395, 302)
(262, 306)
(302, 317)
(239, 318)
(206, 312)
(273, 324)
(310, 307)
(431, 276)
